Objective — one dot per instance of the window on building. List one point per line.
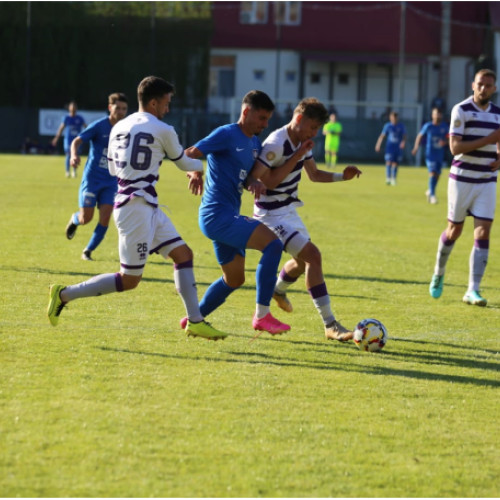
(222, 76)
(253, 12)
(287, 13)
(259, 74)
(343, 79)
(315, 77)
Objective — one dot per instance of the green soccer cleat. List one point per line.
(473, 298)
(55, 304)
(436, 286)
(205, 330)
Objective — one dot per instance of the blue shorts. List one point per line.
(434, 166)
(229, 233)
(94, 193)
(393, 156)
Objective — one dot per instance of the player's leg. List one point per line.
(263, 239)
(328, 157)
(388, 168)
(394, 172)
(105, 204)
(316, 286)
(67, 157)
(290, 272)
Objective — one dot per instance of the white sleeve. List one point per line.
(175, 152)
(271, 154)
(457, 122)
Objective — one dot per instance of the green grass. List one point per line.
(116, 402)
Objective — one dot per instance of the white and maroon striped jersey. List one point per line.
(276, 150)
(137, 146)
(471, 122)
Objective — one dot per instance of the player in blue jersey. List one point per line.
(474, 142)
(231, 151)
(435, 133)
(395, 131)
(138, 145)
(98, 186)
(72, 124)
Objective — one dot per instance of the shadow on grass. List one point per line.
(266, 359)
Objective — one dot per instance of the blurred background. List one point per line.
(361, 59)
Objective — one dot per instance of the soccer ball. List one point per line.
(370, 335)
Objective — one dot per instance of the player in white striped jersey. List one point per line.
(474, 142)
(279, 166)
(135, 152)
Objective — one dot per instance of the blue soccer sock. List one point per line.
(394, 172)
(216, 295)
(267, 270)
(97, 236)
(433, 180)
(67, 162)
(388, 171)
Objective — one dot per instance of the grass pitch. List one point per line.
(116, 402)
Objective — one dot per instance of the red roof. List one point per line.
(355, 28)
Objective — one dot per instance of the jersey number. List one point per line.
(141, 154)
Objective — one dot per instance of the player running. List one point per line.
(285, 153)
(98, 186)
(137, 146)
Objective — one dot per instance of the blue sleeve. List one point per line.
(424, 128)
(217, 140)
(386, 128)
(90, 132)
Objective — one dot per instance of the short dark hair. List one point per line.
(313, 109)
(117, 96)
(153, 87)
(486, 72)
(257, 99)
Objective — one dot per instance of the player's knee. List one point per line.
(275, 247)
(130, 282)
(235, 281)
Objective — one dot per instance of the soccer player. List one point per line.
(435, 133)
(72, 124)
(98, 186)
(137, 146)
(285, 153)
(474, 142)
(332, 130)
(231, 151)
(395, 131)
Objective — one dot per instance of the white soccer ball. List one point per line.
(370, 335)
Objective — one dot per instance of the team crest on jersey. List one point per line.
(243, 174)
(457, 123)
(270, 156)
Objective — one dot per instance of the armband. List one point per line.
(337, 177)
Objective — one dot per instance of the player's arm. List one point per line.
(74, 159)
(417, 144)
(459, 146)
(58, 134)
(379, 142)
(403, 142)
(317, 175)
(273, 177)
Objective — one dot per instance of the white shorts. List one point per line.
(143, 230)
(466, 198)
(289, 228)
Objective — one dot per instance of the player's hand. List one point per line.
(305, 147)
(350, 172)
(195, 184)
(257, 188)
(54, 141)
(74, 161)
(414, 151)
(495, 165)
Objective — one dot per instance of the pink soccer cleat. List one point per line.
(270, 325)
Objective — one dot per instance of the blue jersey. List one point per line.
(72, 128)
(97, 134)
(394, 134)
(230, 156)
(434, 135)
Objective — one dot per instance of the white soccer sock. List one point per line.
(321, 300)
(445, 246)
(186, 286)
(261, 311)
(98, 285)
(477, 265)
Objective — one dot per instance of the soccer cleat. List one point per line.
(388, 181)
(55, 304)
(270, 325)
(433, 200)
(473, 298)
(428, 195)
(283, 302)
(183, 322)
(436, 286)
(87, 255)
(205, 330)
(71, 229)
(335, 331)
(393, 182)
